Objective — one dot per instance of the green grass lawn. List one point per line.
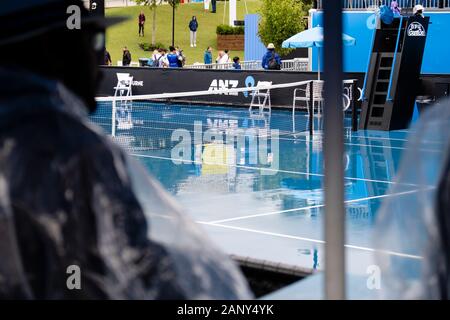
(126, 34)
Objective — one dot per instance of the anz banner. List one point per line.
(155, 80)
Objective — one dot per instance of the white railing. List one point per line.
(370, 4)
(298, 64)
(245, 65)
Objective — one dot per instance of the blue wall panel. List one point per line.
(437, 49)
(254, 48)
(361, 24)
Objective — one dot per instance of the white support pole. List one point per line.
(224, 11)
(232, 14)
(318, 63)
(113, 122)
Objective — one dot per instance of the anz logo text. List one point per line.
(221, 84)
(217, 85)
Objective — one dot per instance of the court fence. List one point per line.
(297, 64)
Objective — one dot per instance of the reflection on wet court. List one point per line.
(267, 205)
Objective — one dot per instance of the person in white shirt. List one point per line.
(163, 62)
(219, 59)
(219, 56)
(222, 57)
(226, 57)
(206, 4)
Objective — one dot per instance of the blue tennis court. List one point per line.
(271, 210)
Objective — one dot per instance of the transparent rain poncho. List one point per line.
(70, 196)
(412, 230)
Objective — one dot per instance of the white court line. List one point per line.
(309, 207)
(358, 144)
(269, 169)
(280, 235)
(393, 139)
(377, 138)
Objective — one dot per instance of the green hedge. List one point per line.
(149, 47)
(224, 29)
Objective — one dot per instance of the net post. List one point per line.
(354, 111)
(113, 122)
(311, 108)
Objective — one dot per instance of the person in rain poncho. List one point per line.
(412, 234)
(71, 201)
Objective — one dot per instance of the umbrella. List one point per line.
(313, 38)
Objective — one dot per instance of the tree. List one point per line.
(282, 19)
(152, 4)
(174, 3)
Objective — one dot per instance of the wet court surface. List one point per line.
(271, 209)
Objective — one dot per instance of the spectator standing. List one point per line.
(126, 59)
(226, 56)
(271, 60)
(222, 59)
(418, 10)
(181, 57)
(141, 23)
(193, 26)
(156, 57)
(395, 9)
(219, 59)
(172, 58)
(163, 62)
(236, 63)
(108, 61)
(207, 58)
(206, 4)
(213, 6)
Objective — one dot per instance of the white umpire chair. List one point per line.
(304, 94)
(261, 99)
(122, 104)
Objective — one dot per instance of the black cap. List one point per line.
(24, 19)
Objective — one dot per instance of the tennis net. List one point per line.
(150, 122)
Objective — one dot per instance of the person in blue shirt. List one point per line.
(193, 26)
(172, 57)
(271, 60)
(207, 58)
(236, 63)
